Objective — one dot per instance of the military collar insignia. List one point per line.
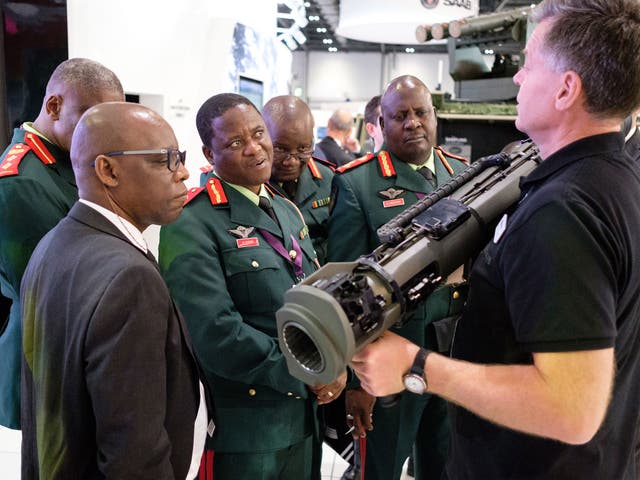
(241, 232)
(391, 193)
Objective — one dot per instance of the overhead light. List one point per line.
(410, 50)
(307, 4)
(321, 30)
(332, 49)
(327, 41)
(314, 18)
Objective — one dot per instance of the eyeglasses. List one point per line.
(174, 156)
(286, 155)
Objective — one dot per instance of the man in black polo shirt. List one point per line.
(544, 377)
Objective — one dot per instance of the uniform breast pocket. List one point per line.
(252, 279)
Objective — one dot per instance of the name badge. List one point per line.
(396, 202)
(500, 229)
(247, 242)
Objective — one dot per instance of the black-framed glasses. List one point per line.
(286, 155)
(174, 156)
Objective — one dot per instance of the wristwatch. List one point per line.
(414, 380)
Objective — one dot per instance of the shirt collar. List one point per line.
(605, 143)
(248, 193)
(129, 230)
(28, 126)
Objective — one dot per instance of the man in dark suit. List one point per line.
(295, 174)
(338, 146)
(228, 261)
(110, 385)
(369, 192)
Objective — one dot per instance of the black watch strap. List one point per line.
(418, 364)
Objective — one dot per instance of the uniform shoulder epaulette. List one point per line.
(216, 192)
(206, 168)
(9, 165)
(32, 143)
(386, 165)
(193, 193)
(355, 163)
(330, 165)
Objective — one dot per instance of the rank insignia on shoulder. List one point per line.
(304, 232)
(9, 165)
(321, 202)
(193, 193)
(355, 163)
(313, 168)
(206, 168)
(386, 165)
(216, 192)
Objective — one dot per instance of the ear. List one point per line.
(570, 91)
(381, 123)
(53, 105)
(107, 171)
(208, 154)
(369, 128)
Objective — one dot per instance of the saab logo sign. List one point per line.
(429, 3)
(466, 4)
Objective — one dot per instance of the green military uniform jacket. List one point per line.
(312, 197)
(228, 282)
(37, 189)
(367, 193)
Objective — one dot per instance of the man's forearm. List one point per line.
(525, 397)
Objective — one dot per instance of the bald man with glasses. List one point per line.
(295, 174)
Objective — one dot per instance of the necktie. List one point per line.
(265, 204)
(428, 174)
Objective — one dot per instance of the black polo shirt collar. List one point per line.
(578, 150)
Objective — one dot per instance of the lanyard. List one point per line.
(294, 257)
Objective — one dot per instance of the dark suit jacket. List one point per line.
(109, 383)
(328, 149)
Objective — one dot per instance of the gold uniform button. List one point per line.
(456, 295)
(289, 394)
(255, 264)
(293, 254)
(252, 392)
(298, 398)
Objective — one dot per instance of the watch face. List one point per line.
(414, 383)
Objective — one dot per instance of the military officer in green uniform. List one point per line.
(228, 260)
(295, 175)
(368, 192)
(37, 189)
